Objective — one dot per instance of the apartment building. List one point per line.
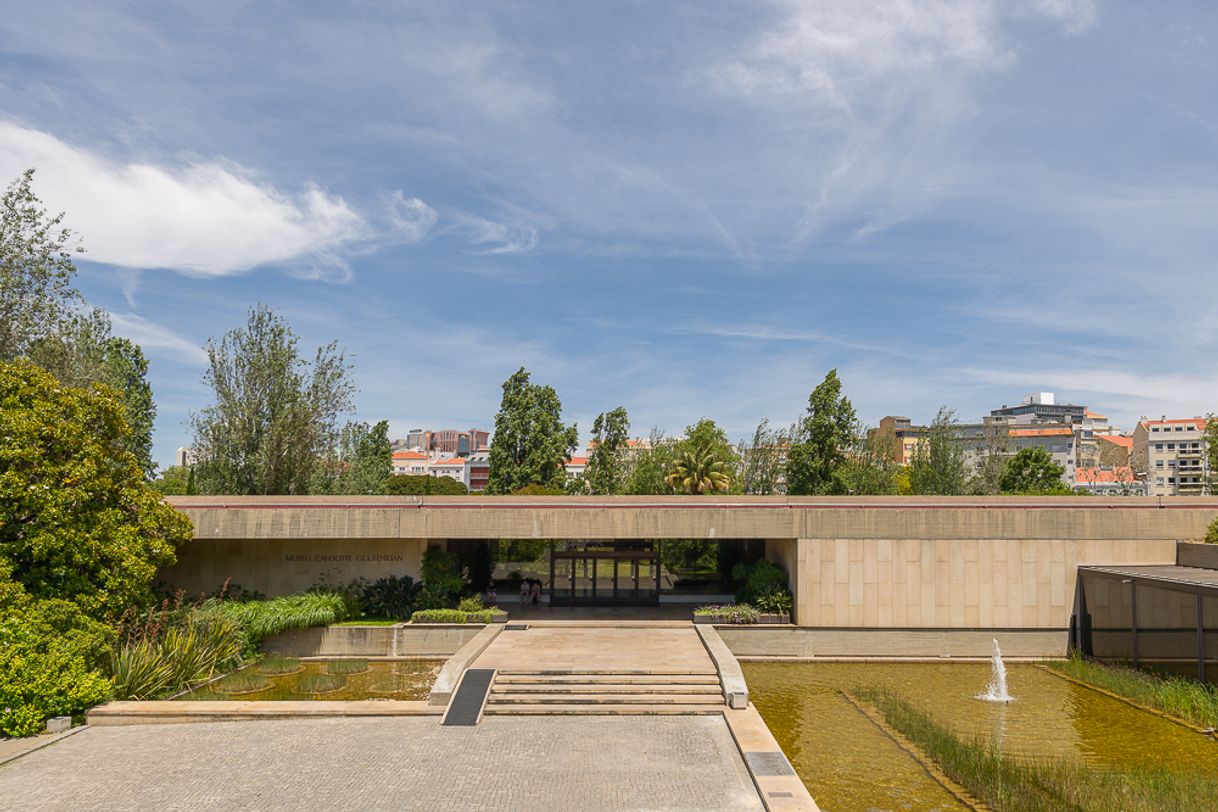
(900, 438)
(413, 463)
(1171, 455)
(457, 442)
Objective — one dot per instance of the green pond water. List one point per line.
(850, 764)
(324, 679)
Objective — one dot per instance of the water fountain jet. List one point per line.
(996, 690)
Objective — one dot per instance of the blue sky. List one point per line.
(689, 211)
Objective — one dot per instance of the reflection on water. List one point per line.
(848, 764)
(403, 680)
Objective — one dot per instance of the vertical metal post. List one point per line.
(1200, 637)
(1133, 593)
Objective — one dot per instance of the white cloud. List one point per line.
(204, 219)
(410, 218)
(154, 338)
(499, 238)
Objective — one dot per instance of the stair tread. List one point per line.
(601, 710)
(605, 689)
(582, 699)
(605, 679)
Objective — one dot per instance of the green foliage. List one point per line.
(1033, 471)
(776, 601)
(471, 604)
(758, 578)
(649, 466)
(245, 681)
(606, 471)
(360, 463)
(346, 666)
(314, 682)
(696, 557)
(531, 444)
(1022, 785)
(172, 648)
(77, 520)
(274, 415)
(1187, 699)
(276, 664)
(423, 485)
(176, 480)
(1211, 534)
(761, 460)
(1210, 445)
(739, 613)
(452, 616)
(825, 436)
(869, 469)
(266, 618)
(939, 466)
(390, 597)
(695, 471)
(442, 581)
(49, 657)
(538, 490)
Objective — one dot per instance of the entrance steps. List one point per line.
(604, 693)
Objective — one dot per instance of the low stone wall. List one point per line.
(795, 641)
(424, 640)
(1197, 555)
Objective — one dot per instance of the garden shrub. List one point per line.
(758, 578)
(50, 657)
(775, 601)
(423, 485)
(442, 582)
(1211, 535)
(740, 613)
(389, 597)
(471, 604)
(451, 616)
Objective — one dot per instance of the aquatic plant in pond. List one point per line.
(276, 664)
(1009, 784)
(315, 683)
(399, 680)
(244, 681)
(344, 667)
(1185, 698)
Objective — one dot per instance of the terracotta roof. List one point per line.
(455, 461)
(1117, 439)
(1063, 432)
(1095, 415)
(1087, 476)
(577, 461)
(409, 455)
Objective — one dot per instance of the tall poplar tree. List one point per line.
(606, 471)
(939, 466)
(825, 436)
(531, 444)
(275, 415)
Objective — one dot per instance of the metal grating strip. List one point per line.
(466, 706)
(515, 627)
(768, 763)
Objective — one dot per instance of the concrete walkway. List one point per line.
(677, 763)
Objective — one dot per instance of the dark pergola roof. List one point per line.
(1194, 580)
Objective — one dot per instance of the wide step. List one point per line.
(601, 710)
(599, 699)
(594, 688)
(606, 679)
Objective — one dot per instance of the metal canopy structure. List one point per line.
(1200, 582)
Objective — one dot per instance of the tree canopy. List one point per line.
(531, 444)
(423, 485)
(939, 466)
(698, 471)
(606, 470)
(1033, 471)
(77, 520)
(359, 464)
(761, 460)
(828, 431)
(275, 415)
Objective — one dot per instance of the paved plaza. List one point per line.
(591, 647)
(505, 763)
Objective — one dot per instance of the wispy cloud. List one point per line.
(157, 339)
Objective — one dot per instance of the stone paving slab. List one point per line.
(598, 649)
(673, 764)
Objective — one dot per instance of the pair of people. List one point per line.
(530, 591)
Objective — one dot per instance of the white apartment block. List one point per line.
(1171, 454)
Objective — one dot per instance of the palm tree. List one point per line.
(696, 472)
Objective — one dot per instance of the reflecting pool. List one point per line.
(850, 764)
(281, 679)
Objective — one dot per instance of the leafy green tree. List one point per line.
(36, 270)
(46, 320)
(698, 471)
(939, 466)
(531, 444)
(606, 471)
(1033, 471)
(424, 485)
(1211, 533)
(77, 520)
(360, 464)
(275, 415)
(825, 436)
(1210, 440)
(869, 469)
(762, 460)
(650, 465)
(176, 480)
(992, 456)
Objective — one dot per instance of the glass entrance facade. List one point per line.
(596, 573)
